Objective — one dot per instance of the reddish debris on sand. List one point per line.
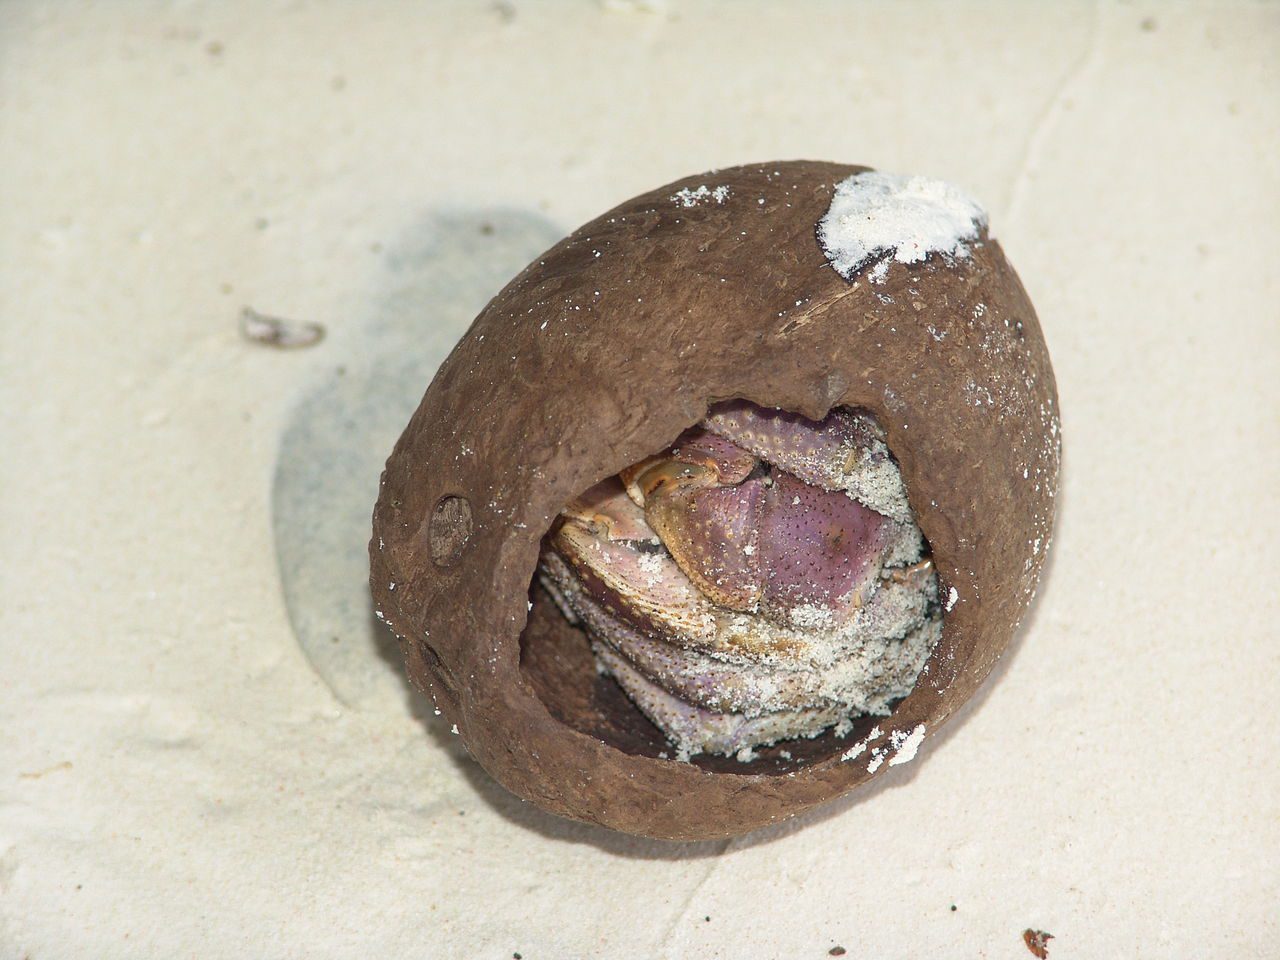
(1037, 942)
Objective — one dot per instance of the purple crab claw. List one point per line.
(820, 550)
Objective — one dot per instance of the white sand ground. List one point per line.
(205, 749)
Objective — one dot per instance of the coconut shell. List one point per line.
(601, 352)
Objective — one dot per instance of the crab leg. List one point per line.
(750, 689)
(649, 591)
(695, 729)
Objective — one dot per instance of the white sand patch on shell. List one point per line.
(905, 219)
(693, 196)
(906, 745)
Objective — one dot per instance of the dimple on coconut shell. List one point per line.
(600, 353)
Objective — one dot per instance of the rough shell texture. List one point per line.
(601, 352)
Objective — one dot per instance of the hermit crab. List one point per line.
(761, 580)
(728, 501)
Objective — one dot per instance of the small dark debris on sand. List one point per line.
(1037, 942)
(278, 332)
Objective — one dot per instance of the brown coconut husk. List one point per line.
(601, 352)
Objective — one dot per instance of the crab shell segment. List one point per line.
(845, 450)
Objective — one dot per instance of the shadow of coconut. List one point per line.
(338, 437)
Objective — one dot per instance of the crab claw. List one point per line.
(822, 551)
(751, 542)
(704, 503)
(695, 729)
(712, 533)
(697, 455)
